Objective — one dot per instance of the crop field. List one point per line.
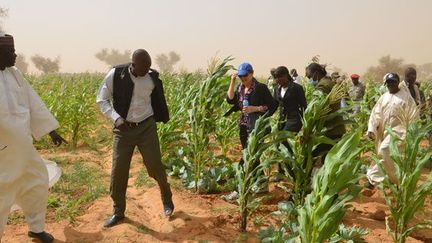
(323, 202)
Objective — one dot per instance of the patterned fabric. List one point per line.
(244, 118)
(356, 92)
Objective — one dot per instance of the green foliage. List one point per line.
(78, 185)
(216, 178)
(71, 99)
(206, 99)
(300, 159)
(143, 179)
(349, 235)
(407, 196)
(53, 202)
(247, 176)
(288, 229)
(171, 134)
(333, 186)
(226, 130)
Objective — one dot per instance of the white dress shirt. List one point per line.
(283, 91)
(140, 107)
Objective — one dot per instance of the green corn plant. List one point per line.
(259, 141)
(202, 115)
(408, 195)
(372, 94)
(71, 100)
(287, 231)
(226, 131)
(318, 219)
(333, 186)
(309, 90)
(171, 134)
(298, 163)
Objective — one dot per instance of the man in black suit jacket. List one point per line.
(292, 102)
(291, 99)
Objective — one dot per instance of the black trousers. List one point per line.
(293, 125)
(144, 137)
(323, 149)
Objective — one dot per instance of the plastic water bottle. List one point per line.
(245, 104)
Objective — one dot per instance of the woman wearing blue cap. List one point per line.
(253, 99)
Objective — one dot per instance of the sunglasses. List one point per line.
(242, 76)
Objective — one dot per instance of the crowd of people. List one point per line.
(401, 97)
(132, 97)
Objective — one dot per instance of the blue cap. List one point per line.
(244, 69)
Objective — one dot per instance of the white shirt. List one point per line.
(140, 107)
(283, 91)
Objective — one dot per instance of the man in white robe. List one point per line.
(395, 109)
(23, 174)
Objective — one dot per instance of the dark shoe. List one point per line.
(168, 208)
(369, 185)
(114, 220)
(44, 237)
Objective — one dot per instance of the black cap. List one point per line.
(391, 77)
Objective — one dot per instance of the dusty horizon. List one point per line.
(350, 35)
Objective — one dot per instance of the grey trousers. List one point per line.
(146, 139)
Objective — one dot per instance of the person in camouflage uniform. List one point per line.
(356, 93)
(317, 76)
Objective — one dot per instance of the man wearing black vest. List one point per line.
(138, 102)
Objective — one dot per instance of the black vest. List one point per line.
(123, 87)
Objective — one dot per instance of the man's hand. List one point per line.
(56, 138)
(371, 135)
(120, 123)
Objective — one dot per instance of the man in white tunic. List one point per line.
(395, 109)
(23, 174)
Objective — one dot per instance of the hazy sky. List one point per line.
(350, 34)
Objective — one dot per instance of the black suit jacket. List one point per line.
(291, 107)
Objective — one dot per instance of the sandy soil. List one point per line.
(197, 218)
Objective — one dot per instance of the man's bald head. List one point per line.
(141, 62)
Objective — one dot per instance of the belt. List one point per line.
(136, 124)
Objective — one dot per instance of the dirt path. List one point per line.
(197, 218)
